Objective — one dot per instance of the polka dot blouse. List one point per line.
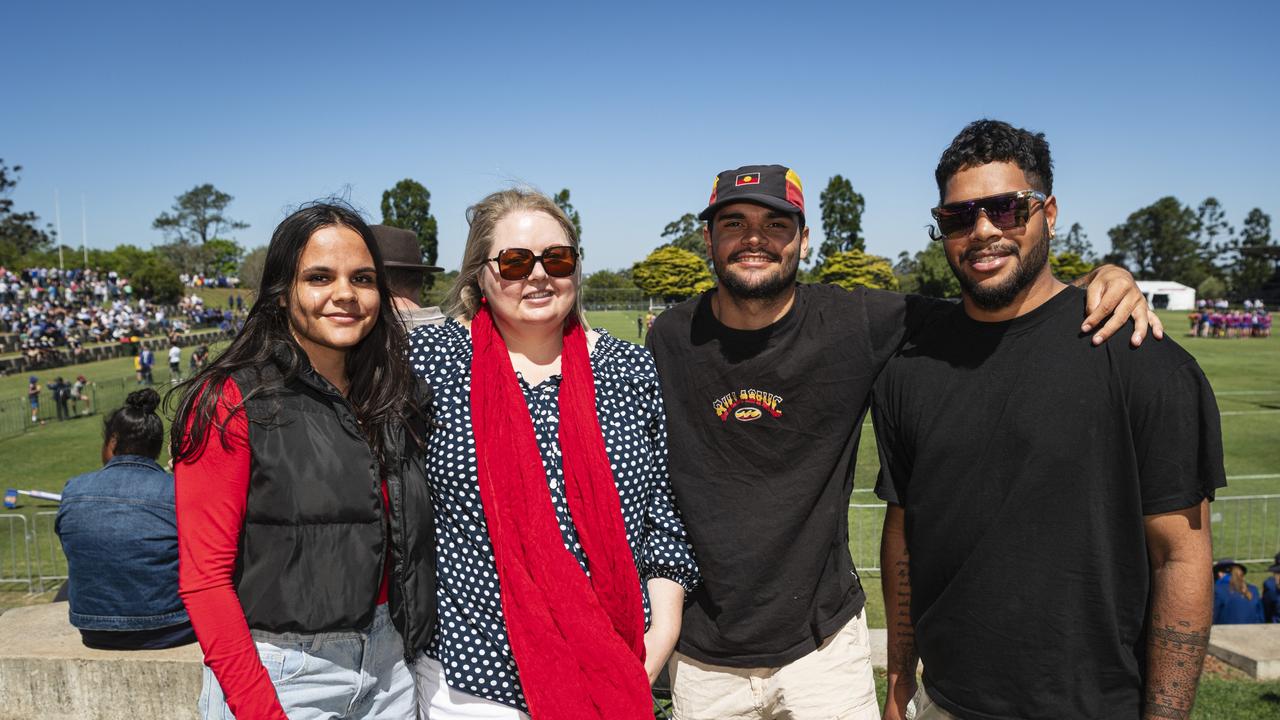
(471, 638)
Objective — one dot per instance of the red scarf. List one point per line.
(578, 642)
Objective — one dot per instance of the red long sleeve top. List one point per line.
(211, 497)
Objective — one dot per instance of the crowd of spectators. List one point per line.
(1217, 319)
(199, 280)
(54, 313)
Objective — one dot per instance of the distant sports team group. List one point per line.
(1231, 324)
(504, 513)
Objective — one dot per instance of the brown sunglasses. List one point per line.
(517, 263)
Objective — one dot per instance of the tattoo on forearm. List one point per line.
(903, 658)
(1175, 657)
(1171, 636)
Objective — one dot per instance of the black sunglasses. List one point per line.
(1006, 211)
(517, 263)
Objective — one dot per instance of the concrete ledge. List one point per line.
(46, 672)
(1255, 649)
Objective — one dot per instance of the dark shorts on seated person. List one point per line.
(154, 639)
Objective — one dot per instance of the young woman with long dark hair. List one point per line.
(304, 520)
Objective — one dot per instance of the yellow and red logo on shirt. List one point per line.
(747, 405)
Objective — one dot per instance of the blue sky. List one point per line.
(633, 107)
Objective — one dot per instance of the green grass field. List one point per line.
(1244, 373)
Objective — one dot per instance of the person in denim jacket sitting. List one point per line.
(120, 537)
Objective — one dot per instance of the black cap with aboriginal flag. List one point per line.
(773, 186)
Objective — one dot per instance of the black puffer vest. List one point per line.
(315, 535)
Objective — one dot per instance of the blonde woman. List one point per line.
(563, 562)
(1235, 602)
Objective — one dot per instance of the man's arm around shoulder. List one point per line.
(1180, 553)
(895, 581)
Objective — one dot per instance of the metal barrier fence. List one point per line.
(615, 299)
(865, 521)
(15, 415)
(15, 552)
(50, 562)
(1246, 527)
(104, 396)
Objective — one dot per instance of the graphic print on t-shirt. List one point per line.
(747, 405)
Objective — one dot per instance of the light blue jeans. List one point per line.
(325, 676)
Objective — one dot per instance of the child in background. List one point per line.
(33, 398)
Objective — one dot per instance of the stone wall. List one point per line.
(108, 351)
(47, 673)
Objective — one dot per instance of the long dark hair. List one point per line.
(135, 426)
(382, 390)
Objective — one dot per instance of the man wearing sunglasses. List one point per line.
(766, 384)
(1046, 546)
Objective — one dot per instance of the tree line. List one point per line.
(1165, 241)
(195, 229)
(1199, 247)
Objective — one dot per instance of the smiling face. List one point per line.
(995, 267)
(756, 250)
(334, 301)
(538, 300)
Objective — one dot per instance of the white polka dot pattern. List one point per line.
(471, 639)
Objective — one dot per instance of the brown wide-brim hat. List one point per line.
(400, 249)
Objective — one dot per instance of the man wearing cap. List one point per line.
(406, 274)
(1046, 546)
(766, 383)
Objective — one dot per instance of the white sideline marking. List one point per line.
(867, 423)
(1267, 476)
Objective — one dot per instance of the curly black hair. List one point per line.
(136, 427)
(988, 141)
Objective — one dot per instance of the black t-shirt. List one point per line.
(1025, 459)
(763, 427)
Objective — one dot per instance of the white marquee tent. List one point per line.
(1168, 295)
